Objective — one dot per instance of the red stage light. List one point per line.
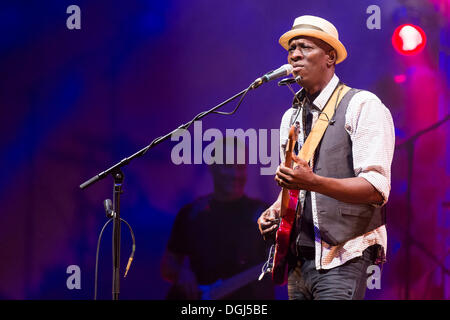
(400, 78)
(409, 39)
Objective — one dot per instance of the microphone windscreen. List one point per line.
(289, 68)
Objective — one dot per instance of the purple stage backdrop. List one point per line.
(76, 101)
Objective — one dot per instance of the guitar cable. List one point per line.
(268, 265)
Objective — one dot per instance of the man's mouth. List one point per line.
(298, 71)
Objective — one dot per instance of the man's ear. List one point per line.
(332, 57)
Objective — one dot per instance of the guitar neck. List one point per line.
(284, 202)
(236, 282)
(288, 162)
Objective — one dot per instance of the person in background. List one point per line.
(214, 250)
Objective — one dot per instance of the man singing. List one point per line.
(340, 225)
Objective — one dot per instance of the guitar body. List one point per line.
(289, 199)
(283, 237)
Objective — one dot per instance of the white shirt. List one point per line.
(371, 129)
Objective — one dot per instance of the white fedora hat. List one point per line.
(316, 27)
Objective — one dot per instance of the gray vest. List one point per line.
(340, 221)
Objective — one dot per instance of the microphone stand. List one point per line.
(118, 180)
(409, 144)
(118, 176)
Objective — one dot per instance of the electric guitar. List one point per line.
(289, 200)
(221, 288)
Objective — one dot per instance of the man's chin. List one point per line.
(303, 82)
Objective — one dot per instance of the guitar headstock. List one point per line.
(293, 138)
(294, 131)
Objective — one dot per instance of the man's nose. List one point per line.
(297, 54)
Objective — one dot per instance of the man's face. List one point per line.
(310, 58)
(229, 179)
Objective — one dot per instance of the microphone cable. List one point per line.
(237, 106)
(130, 259)
(200, 115)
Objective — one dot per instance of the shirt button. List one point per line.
(348, 128)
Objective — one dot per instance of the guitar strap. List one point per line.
(318, 130)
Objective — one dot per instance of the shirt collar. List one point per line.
(321, 100)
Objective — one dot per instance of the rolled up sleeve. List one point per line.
(371, 129)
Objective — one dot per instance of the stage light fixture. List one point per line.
(409, 39)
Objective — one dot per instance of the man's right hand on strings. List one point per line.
(269, 220)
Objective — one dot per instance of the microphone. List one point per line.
(282, 71)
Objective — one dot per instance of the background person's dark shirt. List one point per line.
(222, 239)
